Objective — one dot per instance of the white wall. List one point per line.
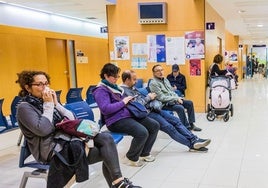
(20, 17)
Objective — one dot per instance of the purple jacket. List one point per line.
(110, 104)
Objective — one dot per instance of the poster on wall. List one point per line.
(139, 63)
(194, 42)
(80, 57)
(230, 56)
(121, 48)
(195, 67)
(156, 48)
(175, 50)
(139, 49)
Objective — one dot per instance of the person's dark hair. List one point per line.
(157, 65)
(218, 59)
(110, 70)
(27, 78)
(126, 75)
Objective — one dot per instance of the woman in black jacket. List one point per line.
(215, 69)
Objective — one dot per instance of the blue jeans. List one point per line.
(172, 125)
(179, 108)
(144, 132)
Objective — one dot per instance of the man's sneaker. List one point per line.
(125, 183)
(200, 143)
(129, 162)
(148, 158)
(195, 128)
(200, 150)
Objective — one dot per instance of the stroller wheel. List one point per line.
(226, 117)
(211, 116)
(232, 110)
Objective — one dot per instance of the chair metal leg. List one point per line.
(19, 139)
(34, 174)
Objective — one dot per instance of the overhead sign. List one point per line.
(104, 29)
(210, 25)
(259, 45)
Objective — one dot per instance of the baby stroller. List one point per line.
(220, 98)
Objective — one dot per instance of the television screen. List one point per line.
(152, 13)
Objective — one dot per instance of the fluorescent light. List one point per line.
(260, 25)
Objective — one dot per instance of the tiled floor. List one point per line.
(237, 157)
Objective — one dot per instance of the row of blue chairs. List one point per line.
(74, 94)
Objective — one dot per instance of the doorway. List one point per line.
(58, 68)
(258, 58)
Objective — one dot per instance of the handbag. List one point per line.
(155, 105)
(171, 103)
(84, 128)
(137, 109)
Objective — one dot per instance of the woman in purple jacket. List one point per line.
(112, 104)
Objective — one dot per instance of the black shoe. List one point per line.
(125, 183)
(200, 143)
(195, 128)
(200, 150)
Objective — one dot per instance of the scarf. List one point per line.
(114, 86)
(38, 103)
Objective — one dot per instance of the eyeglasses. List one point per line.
(115, 76)
(159, 70)
(40, 84)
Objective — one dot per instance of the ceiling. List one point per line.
(246, 18)
(91, 10)
(244, 24)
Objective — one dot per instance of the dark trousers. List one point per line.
(104, 150)
(180, 110)
(144, 132)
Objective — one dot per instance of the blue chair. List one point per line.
(3, 121)
(82, 110)
(74, 95)
(13, 108)
(148, 88)
(139, 83)
(144, 91)
(40, 169)
(15, 102)
(89, 97)
(58, 93)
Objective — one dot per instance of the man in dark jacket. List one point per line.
(177, 80)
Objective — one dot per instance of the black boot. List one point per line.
(195, 128)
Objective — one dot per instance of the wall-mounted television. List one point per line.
(152, 13)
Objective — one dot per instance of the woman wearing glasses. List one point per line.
(37, 116)
(112, 104)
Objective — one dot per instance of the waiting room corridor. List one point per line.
(237, 156)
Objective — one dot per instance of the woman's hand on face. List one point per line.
(127, 99)
(47, 95)
(54, 95)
